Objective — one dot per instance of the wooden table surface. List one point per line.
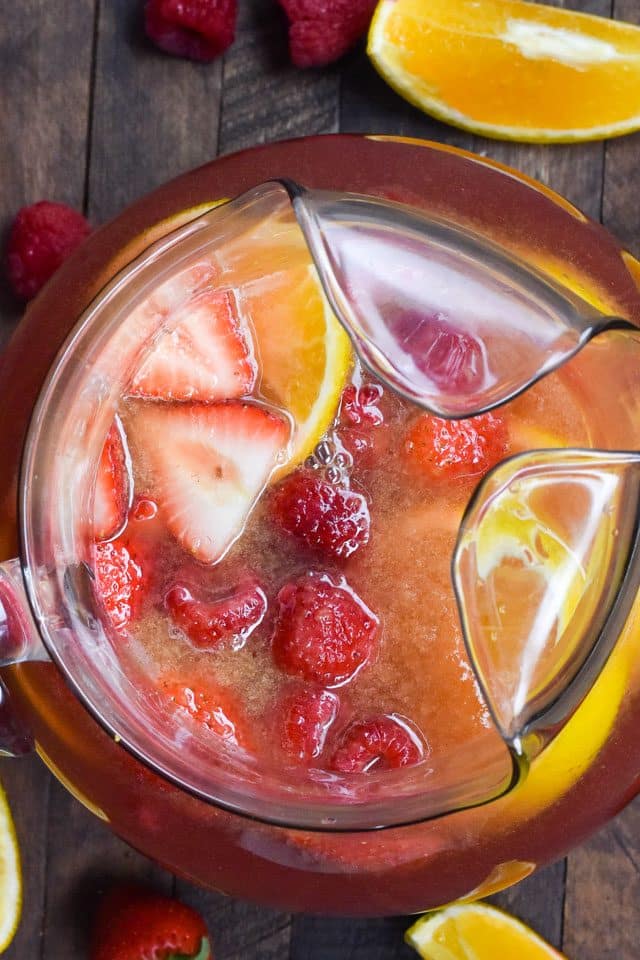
(91, 115)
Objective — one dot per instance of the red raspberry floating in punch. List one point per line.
(41, 238)
(307, 714)
(212, 625)
(333, 521)
(321, 31)
(382, 743)
(195, 29)
(324, 632)
(454, 449)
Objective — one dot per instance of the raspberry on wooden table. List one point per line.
(195, 29)
(321, 31)
(323, 632)
(42, 237)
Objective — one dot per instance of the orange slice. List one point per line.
(511, 69)
(476, 931)
(304, 354)
(10, 876)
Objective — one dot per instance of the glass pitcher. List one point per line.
(316, 842)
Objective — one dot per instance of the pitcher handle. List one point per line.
(19, 642)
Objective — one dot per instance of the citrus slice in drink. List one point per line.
(476, 931)
(10, 878)
(304, 355)
(495, 67)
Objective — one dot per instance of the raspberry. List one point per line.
(307, 715)
(381, 743)
(330, 519)
(211, 625)
(209, 706)
(455, 449)
(360, 405)
(119, 582)
(196, 29)
(321, 31)
(41, 238)
(323, 632)
(452, 359)
(363, 430)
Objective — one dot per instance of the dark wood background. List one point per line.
(91, 115)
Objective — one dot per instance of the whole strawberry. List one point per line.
(42, 237)
(136, 924)
(321, 31)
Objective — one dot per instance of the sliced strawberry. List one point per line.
(113, 485)
(206, 356)
(119, 580)
(208, 466)
(226, 622)
(209, 706)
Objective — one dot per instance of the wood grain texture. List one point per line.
(622, 167)
(44, 112)
(602, 917)
(27, 783)
(319, 938)
(154, 115)
(239, 929)
(264, 97)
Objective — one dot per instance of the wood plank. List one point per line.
(239, 929)
(602, 918)
(264, 97)
(83, 860)
(154, 116)
(326, 938)
(44, 102)
(27, 784)
(620, 205)
(538, 901)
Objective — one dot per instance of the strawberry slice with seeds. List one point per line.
(210, 707)
(113, 485)
(208, 466)
(206, 356)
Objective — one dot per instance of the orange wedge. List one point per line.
(304, 353)
(476, 931)
(511, 69)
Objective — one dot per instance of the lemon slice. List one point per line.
(495, 67)
(10, 878)
(476, 931)
(304, 353)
